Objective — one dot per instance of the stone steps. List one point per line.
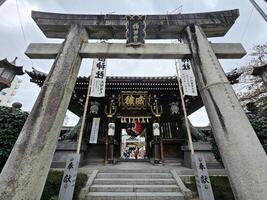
(134, 181)
(134, 188)
(140, 170)
(134, 184)
(135, 196)
(134, 175)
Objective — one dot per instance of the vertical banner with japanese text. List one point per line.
(94, 130)
(98, 77)
(188, 78)
(69, 177)
(202, 177)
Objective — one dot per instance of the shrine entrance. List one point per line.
(134, 148)
(134, 113)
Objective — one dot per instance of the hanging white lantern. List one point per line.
(111, 129)
(156, 131)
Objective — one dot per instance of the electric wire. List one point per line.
(246, 26)
(244, 33)
(21, 27)
(20, 22)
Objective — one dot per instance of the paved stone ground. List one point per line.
(146, 166)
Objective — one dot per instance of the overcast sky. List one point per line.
(249, 29)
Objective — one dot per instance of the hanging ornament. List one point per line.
(134, 129)
(143, 120)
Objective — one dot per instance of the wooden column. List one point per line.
(243, 156)
(110, 149)
(25, 172)
(157, 145)
(157, 153)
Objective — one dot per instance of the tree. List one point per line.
(11, 123)
(259, 55)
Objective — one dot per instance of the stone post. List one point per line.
(243, 156)
(24, 175)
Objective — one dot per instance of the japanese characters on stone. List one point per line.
(69, 177)
(202, 177)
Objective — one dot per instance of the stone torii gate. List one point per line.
(25, 172)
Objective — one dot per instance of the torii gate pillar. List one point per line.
(26, 169)
(243, 156)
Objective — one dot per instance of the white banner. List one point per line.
(188, 79)
(94, 131)
(98, 77)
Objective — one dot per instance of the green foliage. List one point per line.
(257, 115)
(53, 182)
(215, 150)
(11, 123)
(258, 118)
(220, 185)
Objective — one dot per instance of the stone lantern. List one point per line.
(8, 71)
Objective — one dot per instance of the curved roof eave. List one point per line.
(214, 24)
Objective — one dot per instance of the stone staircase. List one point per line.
(136, 184)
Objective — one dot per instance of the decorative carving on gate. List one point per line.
(111, 108)
(156, 109)
(94, 108)
(174, 108)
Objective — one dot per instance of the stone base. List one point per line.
(203, 148)
(64, 148)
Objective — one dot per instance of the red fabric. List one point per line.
(138, 128)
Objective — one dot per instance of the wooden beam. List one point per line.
(148, 51)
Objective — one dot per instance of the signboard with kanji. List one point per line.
(188, 78)
(134, 100)
(98, 77)
(135, 30)
(69, 177)
(202, 177)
